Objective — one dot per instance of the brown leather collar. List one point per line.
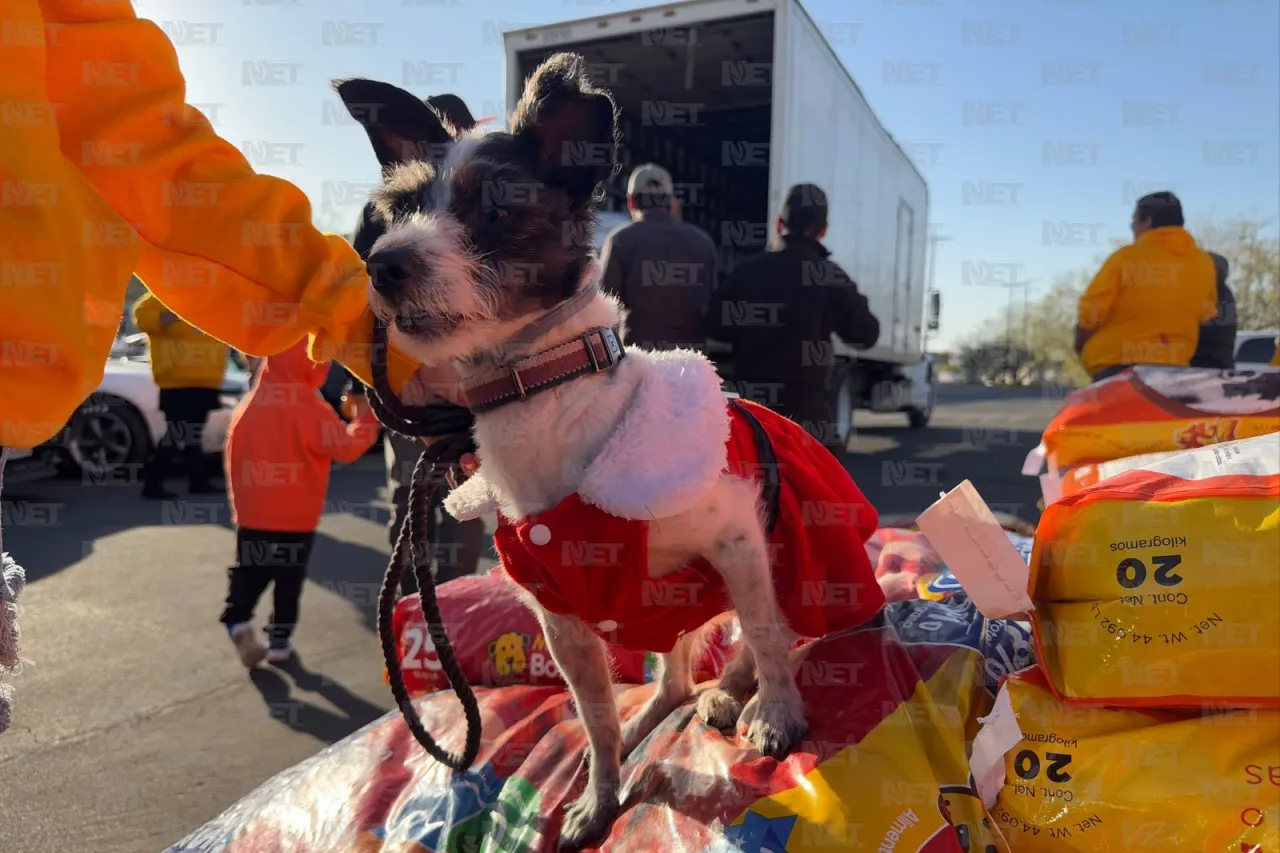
(595, 351)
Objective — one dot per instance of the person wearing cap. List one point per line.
(1147, 303)
(661, 268)
(1216, 347)
(779, 309)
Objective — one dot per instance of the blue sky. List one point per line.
(1035, 122)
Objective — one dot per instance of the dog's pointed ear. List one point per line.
(401, 128)
(569, 127)
(528, 641)
(454, 111)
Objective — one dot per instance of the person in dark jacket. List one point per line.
(661, 268)
(779, 309)
(1216, 346)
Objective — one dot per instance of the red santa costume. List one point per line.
(588, 554)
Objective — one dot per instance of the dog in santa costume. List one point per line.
(635, 503)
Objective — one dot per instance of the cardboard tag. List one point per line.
(999, 734)
(1050, 486)
(978, 552)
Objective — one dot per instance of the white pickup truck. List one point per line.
(740, 100)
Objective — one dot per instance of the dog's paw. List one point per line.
(589, 817)
(718, 709)
(773, 727)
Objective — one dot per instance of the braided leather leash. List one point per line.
(450, 426)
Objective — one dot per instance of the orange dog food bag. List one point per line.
(1159, 410)
(1160, 586)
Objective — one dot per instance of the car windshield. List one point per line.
(1256, 350)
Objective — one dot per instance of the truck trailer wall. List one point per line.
(825, 133)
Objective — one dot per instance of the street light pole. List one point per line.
(1010, 371)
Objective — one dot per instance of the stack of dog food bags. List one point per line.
(1148, 414)
(1153, 719)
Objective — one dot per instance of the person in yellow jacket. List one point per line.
(188, 367)
(1147, 303)
(105, 170)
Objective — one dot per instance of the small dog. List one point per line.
(489, 236)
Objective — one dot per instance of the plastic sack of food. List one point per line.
(1086, 474)
(883, 766)
(1063, 779)
(1161, 409)
(1159, 586)
(499, 642)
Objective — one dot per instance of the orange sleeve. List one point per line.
(60, 299)
(1100, 295)
(229, 250)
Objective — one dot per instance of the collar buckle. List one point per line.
(612, 349)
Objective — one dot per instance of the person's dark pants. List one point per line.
(1108, 372)
(185, 412)
(266, 557)
(456, 545)
(815, 415)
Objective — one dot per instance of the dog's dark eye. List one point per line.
(495, 212)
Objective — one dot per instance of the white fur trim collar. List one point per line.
(665, 453)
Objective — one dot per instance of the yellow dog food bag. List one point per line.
(1160, 586)
(1060, 778)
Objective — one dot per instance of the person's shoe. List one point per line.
(158, 493)
(279, 654)
(246, 641)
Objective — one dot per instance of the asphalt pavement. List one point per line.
(134, 722)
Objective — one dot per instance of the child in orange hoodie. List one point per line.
(282, 440)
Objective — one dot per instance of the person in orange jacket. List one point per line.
(188, 367)
(105, 171)
(1149, 299)
(282, 441)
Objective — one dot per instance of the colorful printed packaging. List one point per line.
(1082, 780)
(499, 642)
(892, 708)
(1161, 409)
(1159, 587)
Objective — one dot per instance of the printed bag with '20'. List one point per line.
(1074, 779)
(1160, 586)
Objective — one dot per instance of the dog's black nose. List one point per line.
(389, 270)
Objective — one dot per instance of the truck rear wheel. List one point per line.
(843, 405)
(918, 417)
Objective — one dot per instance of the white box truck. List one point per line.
(740, 100)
